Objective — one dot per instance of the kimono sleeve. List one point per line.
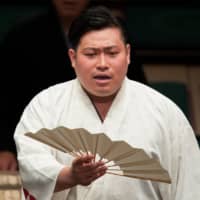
(185, 159)
(37, 162)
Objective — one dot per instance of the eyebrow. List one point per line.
(95, 49)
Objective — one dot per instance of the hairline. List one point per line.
(100, 29)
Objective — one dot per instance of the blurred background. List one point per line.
(166, 39)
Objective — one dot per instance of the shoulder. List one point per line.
(55, 92)
(156, 108)
(45, 108)
(51, 99)
(142, 91)
(150, 99)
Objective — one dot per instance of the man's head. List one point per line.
(100, 53)
(69, 8)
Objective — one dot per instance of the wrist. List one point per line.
(65, 179)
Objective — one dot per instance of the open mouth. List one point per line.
(102, 77)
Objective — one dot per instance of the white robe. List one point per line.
(139, 115)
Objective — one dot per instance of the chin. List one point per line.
(101, 92)
(104, 93)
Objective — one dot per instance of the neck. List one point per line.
(65, 23)
(106, 99)
(102, 104)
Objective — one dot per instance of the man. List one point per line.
(35, 52)
(102, 99)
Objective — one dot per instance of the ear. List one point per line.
(128, 50)
(72, 56)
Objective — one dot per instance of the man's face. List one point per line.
(101, 61)
(70, 8)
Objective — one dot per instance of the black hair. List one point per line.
(94, 18)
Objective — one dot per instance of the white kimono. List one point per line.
(139, 115)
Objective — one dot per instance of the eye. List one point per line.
(90, 55)
(113, 53)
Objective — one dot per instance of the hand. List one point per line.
(84, 170)
(8, 161)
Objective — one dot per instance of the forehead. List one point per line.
(102, 38)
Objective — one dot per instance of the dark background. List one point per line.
(162, 30)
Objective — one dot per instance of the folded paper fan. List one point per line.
(120, 158)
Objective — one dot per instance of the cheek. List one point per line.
(85, 64)
(83, 68)
(121, 66)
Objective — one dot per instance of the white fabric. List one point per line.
(139, 115)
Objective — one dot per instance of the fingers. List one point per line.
(92, 169)
(83, 159)
(98, 172)
(85, 170)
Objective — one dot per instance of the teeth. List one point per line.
(102, 77)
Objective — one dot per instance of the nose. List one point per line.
(102, 63)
